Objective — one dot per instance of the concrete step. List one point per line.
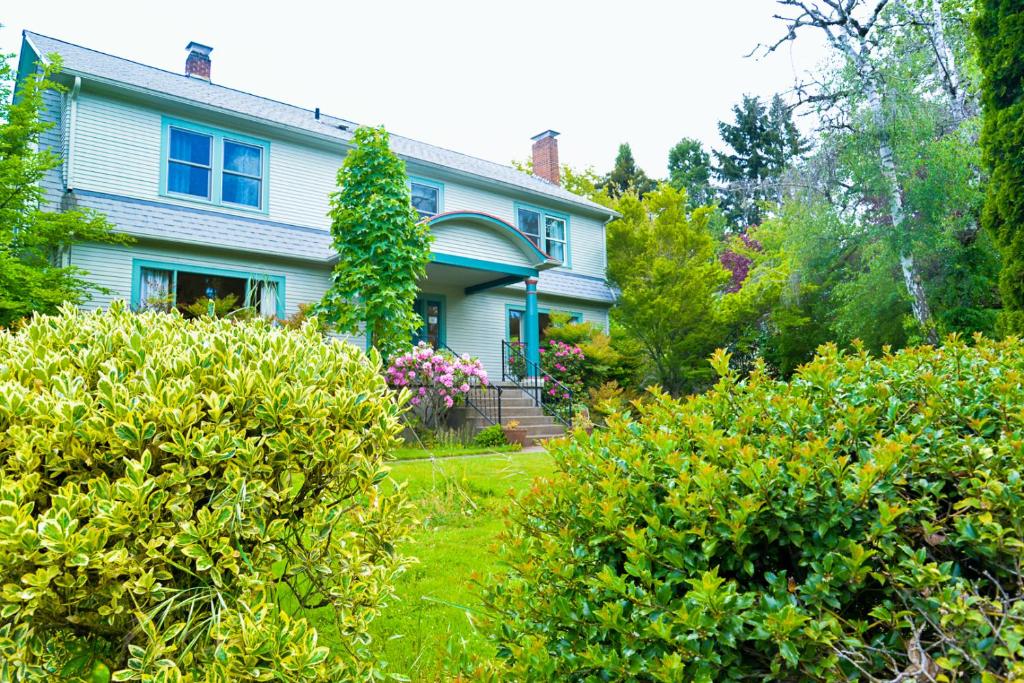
(528, 422)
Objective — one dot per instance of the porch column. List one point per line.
(531, 328)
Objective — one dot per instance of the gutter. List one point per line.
(72, 120)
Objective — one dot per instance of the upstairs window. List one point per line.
(214, 166)
(426, 197)
(190, 163)
(547, 229)
(243, 174)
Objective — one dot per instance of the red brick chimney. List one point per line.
(197, 64)
(545, 156)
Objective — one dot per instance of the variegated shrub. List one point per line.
(864, 521)
(171, 490)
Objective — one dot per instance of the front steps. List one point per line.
(515, 405)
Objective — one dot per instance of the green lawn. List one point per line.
(450, 451)
(459, 503)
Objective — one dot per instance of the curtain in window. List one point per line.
(155, 289)
(267, 299)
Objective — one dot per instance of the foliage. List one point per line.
(382, 250)
(438, 380)
(164, 482)
(32, 240)
(626, 176)
(565, 364)
(663, 259)
(222, 306)
(863, 521)
(583, 182)
(1000, 32)
(689, 168)
(490, 436)
(761, 142)
(607, 357)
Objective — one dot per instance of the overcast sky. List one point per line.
(475, 76)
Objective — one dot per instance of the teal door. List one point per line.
(431, 312)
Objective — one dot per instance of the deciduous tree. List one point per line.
(382, 250)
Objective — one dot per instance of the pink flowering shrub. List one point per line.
(565, 363)
(438, 380)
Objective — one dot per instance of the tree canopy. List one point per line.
(626, 176)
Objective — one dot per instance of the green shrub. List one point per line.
(166, 486)
(863, 521)
(489, 437)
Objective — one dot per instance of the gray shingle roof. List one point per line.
(82, 61)
(159, 221)
(573, 286)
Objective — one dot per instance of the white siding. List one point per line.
(477, 242)
(117, 148)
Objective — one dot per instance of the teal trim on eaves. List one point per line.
(523, 241)
(219, 135)
(479, 264)
(175, 268)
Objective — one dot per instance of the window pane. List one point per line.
(191, 147)
(424, 199)
(514, 327)
(241, 190)
(529, 223)
(244, 159)
(185, 179)
(555, 228)
(556, 250)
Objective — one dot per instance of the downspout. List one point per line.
(72, 120)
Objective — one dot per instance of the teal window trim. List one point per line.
(437, 185)
(420, 308)
(567, 261)
(219, 136)
(576, 316)
(175, 268)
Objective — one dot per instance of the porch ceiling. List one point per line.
(462, 276)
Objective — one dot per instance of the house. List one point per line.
(226, 192)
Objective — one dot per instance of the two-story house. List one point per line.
(226, 192)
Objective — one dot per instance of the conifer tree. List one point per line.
(689, 168)
(626, 176)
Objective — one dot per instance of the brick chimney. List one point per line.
(545, 156)
(197, 64)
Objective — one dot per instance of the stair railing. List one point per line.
(485, 399)
(547, 393)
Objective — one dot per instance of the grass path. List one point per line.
(459, 503)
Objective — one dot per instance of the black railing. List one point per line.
(550, 395)
(485, 399)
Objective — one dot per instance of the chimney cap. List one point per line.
(204, 50)
(546, 134)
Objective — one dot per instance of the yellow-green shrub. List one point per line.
(862, 521)
(169, 487)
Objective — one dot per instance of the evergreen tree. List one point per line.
(382, 250)
(626, 176)
(689, 168)
(761, 142)
(32, 278)
(1000, 33)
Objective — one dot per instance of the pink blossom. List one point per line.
(464, 388)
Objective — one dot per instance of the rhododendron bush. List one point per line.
(438, 380)
(563, 363)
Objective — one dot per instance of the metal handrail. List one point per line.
(486, 398)
(533, 385)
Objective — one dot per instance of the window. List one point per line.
(426, 197)
(189, 163)
(547, 229)
(243, 174)
(515, 323)
(214, 166)
(163, 286)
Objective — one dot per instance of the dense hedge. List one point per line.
(169, 490)
(863, 520)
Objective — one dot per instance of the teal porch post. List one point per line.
(531, 329)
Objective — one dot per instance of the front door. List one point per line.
(431, 312)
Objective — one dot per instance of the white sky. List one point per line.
(479, 77)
